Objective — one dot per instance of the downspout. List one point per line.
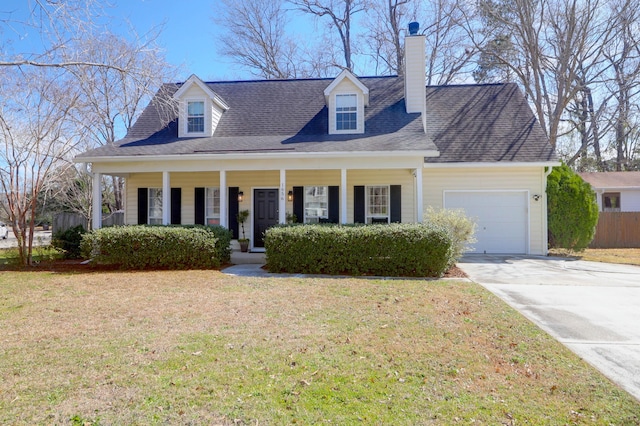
(545, 214)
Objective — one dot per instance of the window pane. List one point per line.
(346, 102)
(346, 121)
(195, 117)
(212, 209)
(346, 112)
(377, 203)
(196, 109)
(316, 203)
(155, 206)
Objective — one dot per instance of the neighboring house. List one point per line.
(615, 191)
(343, 150)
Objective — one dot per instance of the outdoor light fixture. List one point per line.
(536, 197)
(290, 196)
(240, 196)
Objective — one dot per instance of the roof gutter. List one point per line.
(494, 164)
(255, 156)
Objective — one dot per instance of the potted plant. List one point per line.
(242, 217)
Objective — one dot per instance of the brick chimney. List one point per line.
(414, 71)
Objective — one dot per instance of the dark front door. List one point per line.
(265, 208)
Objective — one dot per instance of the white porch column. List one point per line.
(166, 198)
(223, 199)
(343, 196)
(96, 209)
(419, 197)
(282, 203)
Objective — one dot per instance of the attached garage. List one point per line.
(501, 218)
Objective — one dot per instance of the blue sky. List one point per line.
(188, 37)
(189, 34)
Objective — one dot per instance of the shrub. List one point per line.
(572, 210)
(383, 250)
(159, 247)
(461, 229)
(68, 241)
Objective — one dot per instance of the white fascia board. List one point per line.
(194, 79)
(258, 156)
(494, 165)
(348, 75)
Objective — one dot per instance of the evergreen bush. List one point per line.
(68, 241)
(572, 210)
(383, 250)
(159, 247)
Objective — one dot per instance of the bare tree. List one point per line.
(57, 24)
(259, 40)
(341, 13)
(84, 86)
(623, 55)
(449, 52)
(386, 20)
(35, 138)
(110, 100)
(549, 41)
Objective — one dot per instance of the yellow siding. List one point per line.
(248, 181)
(135, 181)
(402, 177)
(187, 181)
(436, 181)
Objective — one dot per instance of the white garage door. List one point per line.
(501, 219)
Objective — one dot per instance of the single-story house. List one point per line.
(615, 191)
(345, 150)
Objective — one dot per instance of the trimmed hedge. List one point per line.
(417, 250)
(159, 247)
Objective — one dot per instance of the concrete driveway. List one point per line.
(592, 308)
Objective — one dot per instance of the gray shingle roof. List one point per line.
(465, 123)
(484, 123)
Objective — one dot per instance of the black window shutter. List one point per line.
(234, 208)
(143, 206)
(298, 203)
(396, 203)
(198, 205)
(358, 204)
(334, 204)
(176, 206)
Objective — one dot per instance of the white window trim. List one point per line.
(367, 216)
(158, 219)
(304, 202)
(207, 117)
(359, 112)
(206, 205)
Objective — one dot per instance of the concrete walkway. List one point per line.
(592, 308)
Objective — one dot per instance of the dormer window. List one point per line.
(200, 109)
(195, 117)
(346, 99)
(346, 112)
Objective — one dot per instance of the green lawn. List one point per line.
(200, 347)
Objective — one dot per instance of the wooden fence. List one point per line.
(617, 230)
(64, 221)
